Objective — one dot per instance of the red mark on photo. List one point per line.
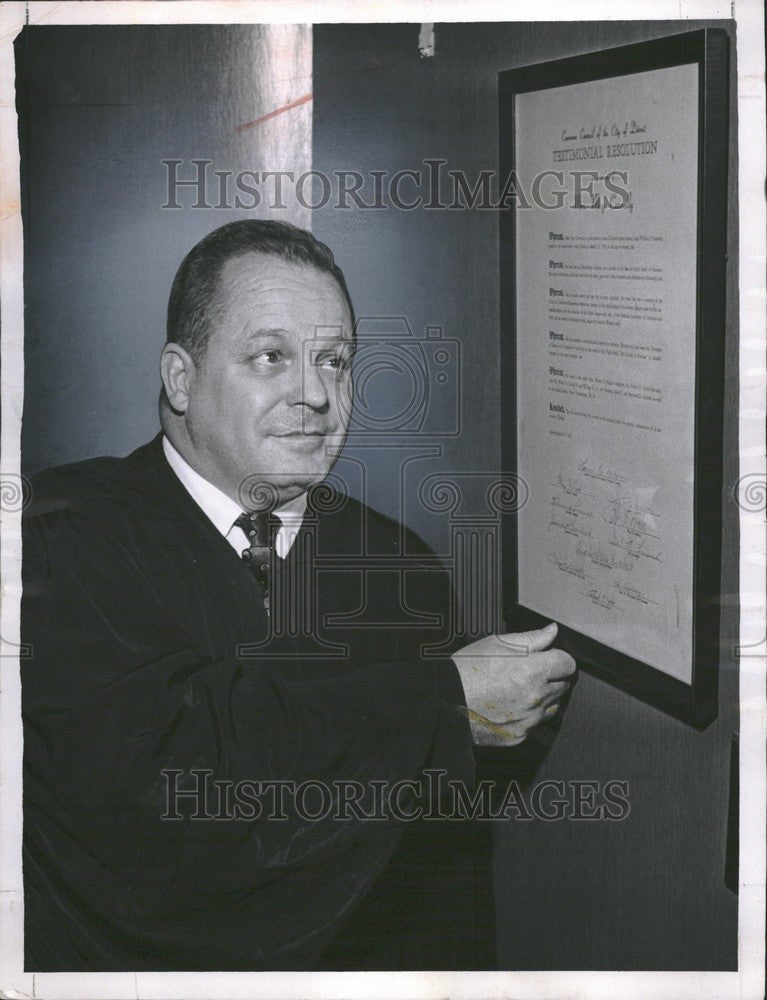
(278, 111)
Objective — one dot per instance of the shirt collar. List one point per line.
(218, 507)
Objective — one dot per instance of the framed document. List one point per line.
(613, 323)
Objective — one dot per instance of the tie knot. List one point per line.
(259, 526)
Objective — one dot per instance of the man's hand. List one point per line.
(512, 683)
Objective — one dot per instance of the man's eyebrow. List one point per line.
(266, 332)
(320, 342)
(320, 339)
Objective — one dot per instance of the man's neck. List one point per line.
(178, 438)
(224, 513)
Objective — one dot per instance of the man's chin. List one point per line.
(294, 488)
(283, 482)
(287, 467)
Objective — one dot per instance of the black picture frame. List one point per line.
(695, 703)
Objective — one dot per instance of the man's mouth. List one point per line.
(301, 434)
(303, 441)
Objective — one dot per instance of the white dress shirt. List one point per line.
(223, 511)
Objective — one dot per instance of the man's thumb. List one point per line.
(534, 641)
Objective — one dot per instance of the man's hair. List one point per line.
(192, 301)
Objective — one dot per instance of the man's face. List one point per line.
(271, 397)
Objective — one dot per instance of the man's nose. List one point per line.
(310, 387)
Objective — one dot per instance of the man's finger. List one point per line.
(550, 693)
(563, 666)
(533, 641)
(552, 665)
(555, 691)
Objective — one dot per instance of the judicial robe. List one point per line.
(152, 655)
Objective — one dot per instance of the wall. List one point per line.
(100, 109)
(647, 893)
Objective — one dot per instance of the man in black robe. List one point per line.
(175, 688)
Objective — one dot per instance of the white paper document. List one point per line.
(606, 335)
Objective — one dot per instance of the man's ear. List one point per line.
(177, 370)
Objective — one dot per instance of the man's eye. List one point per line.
(338, 362)
(269, 357)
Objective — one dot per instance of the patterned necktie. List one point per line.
(260, 527)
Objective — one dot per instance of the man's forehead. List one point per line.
(277, 281)
(262, 292)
